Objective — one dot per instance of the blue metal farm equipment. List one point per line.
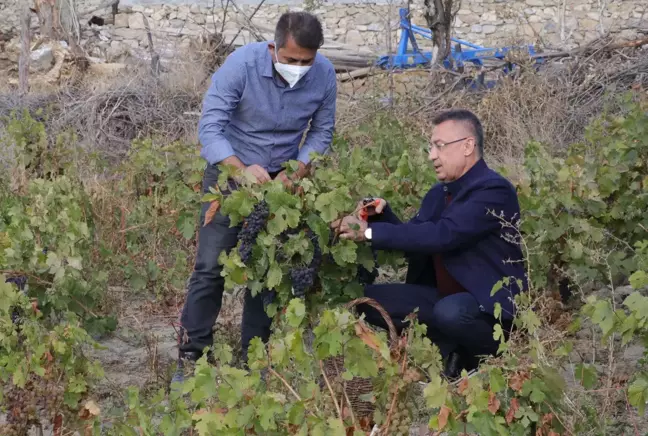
(459, 56)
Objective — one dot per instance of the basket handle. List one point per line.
(393, 336)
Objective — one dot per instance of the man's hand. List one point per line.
(288, 181)
(283, 177)
(376, 207)
(259, 173)
(350, 227)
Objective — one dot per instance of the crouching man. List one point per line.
(457, 246)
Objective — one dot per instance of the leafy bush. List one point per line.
(43, 371)
(584, 211)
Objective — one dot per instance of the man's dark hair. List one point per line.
(466, 117)
(304, 28)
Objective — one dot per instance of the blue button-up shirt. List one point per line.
(251, 113)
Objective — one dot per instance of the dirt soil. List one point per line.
(143, 350)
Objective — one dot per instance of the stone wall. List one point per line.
(553, 23)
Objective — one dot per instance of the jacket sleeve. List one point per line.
(221, 99)
(387, 216)
(462, 223)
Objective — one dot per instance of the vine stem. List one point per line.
(346, 397)
(328, 385)
(393, 402)
(634, 418)
(283, 380)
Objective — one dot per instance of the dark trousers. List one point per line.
(206, 286)
(454, 323)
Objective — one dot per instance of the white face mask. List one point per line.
(291, 73)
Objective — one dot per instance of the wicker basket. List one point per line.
(358, 386)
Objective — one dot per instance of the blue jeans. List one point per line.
(454, 323)
(206, 286)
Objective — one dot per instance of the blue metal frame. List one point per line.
(405, 58)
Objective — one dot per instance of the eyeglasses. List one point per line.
(440, 146)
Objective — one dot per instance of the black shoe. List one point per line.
(456, 363)
(186, 365)
(453, 366)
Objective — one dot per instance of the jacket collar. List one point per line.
(471, 175)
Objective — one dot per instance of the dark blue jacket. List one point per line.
(477, 249)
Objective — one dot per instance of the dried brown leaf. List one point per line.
(493, 403)
(444, 414)
(213, 208)
(517, 380)
(463, 385)
(368, 336)
(510, 415)
(92, 408)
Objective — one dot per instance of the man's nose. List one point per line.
(434, 153)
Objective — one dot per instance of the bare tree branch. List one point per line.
(25, 52)
(439, 15)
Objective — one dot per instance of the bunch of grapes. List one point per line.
(20, 282)
(303, 277)
(253, 224)
(401, 420)
(268, 297)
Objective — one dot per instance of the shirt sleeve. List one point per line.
(319, 136)
(221, 99)
(463, 224)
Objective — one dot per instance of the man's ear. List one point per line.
(469, 147)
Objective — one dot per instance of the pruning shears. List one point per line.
(368, 205)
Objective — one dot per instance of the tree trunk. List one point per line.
(47, 16)
(439, 15)
(25, 52)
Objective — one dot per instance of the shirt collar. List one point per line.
(473, 173)
(266, 61)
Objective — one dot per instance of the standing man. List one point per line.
(459, 246)
(255, 113)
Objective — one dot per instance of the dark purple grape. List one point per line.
(20, 282)
(302, 279)
(252, 226)
(268, 297)
(317, 251)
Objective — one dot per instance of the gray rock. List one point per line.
(121, 20)
(136, 21)
(489, 28)
(634, 352)
(354, 36)
(41, 59)
(128, 33)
